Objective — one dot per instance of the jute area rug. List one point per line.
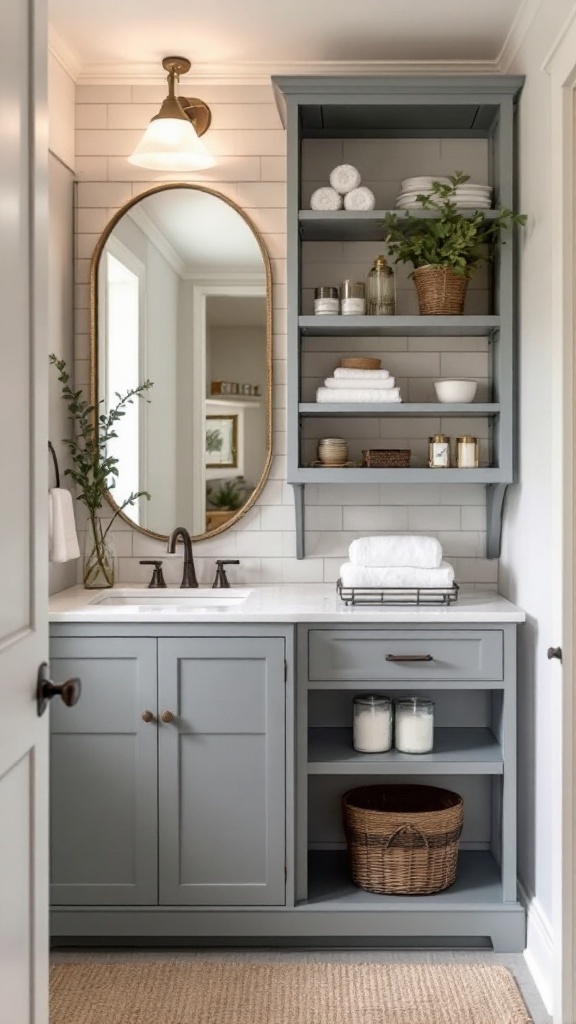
(235, 992)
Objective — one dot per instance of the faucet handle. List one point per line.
(221, 579)
(157, 580)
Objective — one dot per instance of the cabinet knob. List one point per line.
(167, 717)
(147, 716)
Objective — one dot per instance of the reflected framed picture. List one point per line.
(221, 442)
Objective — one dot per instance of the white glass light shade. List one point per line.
(171, 144)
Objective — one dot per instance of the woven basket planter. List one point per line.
(440, 291)
(403, 839)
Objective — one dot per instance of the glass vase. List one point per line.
(98, 568)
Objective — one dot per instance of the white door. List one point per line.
(23, 514)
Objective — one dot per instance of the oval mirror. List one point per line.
(180, 294)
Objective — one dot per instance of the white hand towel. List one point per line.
(342, 384)
(358, 395)
(396, 576)
(325, 199)
(360, 199)
(347, 374)
(344, 178)
(391, 550)
(63, 539)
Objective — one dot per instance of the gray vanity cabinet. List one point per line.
(104, 817)
(168, 776)
(221, 771)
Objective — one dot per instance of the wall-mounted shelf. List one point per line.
(372, 117)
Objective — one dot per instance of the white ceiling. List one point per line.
(107, 32)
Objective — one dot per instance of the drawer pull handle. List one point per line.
(409, 657)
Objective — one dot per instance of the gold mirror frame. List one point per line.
(94, 390)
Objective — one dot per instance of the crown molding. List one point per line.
(517, 33)
(68, 59)
(260, 72)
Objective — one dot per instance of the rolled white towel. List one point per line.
(348, 374)
(396, 576)
(325, 199)
(358, 395)
(360, 199)
(341, 384)
(396, 550)
(62, 536)
(344, 178)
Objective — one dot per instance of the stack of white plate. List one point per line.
(469, 196)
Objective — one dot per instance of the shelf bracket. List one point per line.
(299, 511)
(495, 494)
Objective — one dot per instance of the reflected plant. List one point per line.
(230, 495)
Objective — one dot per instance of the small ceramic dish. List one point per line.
(456, 390)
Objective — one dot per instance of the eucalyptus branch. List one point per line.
(93, 469)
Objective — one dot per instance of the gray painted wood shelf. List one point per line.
(395, 108)
(457, 751)
(355, 226)
(477, 883)
(398, 408)
(397, 326)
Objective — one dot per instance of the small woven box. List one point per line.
(386, 458)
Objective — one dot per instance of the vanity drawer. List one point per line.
(405, 655)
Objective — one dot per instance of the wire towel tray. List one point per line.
(397, 595)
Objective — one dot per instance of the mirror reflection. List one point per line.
(181, 296)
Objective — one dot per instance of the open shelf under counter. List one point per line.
(457, 751)
(398, 408)
(478, 883)
(358, 225)
(339, 326)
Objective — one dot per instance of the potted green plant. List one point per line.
(229, 495)
(445, 249)
(94, 471)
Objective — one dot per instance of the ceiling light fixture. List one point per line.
(172, 141)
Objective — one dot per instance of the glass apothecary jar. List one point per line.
(381, 289)
(414, 725)
(352, 298)
(467, 452)
(372, 733)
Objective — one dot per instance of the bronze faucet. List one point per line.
(188, 572)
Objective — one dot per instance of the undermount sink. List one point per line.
(171, 599)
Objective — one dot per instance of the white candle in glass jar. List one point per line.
(414, 725)
(372, 723)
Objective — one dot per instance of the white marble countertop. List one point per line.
(312, 602)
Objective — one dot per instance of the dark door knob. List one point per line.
(69, 691)
(554, 652)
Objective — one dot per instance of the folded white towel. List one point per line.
(341, 384)
(325, 199)
(396, 576)
(347, 374)
(392, 550)
(344, 178)
(358, 395)
(360, 199)
(63, 539)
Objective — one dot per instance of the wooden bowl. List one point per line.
(361, 363)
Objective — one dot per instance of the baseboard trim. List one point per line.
(539, 952)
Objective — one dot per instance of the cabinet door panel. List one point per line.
(222, 815)
(104, 774)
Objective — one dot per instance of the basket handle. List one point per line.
(402, 830)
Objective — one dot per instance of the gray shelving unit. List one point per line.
(383, 107)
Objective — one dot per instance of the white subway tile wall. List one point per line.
(247, 138)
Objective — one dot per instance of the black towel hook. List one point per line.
(55, 461)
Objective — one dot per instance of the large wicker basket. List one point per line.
(403, 838)
(440, 291)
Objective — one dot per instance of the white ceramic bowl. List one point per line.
(456, 390)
